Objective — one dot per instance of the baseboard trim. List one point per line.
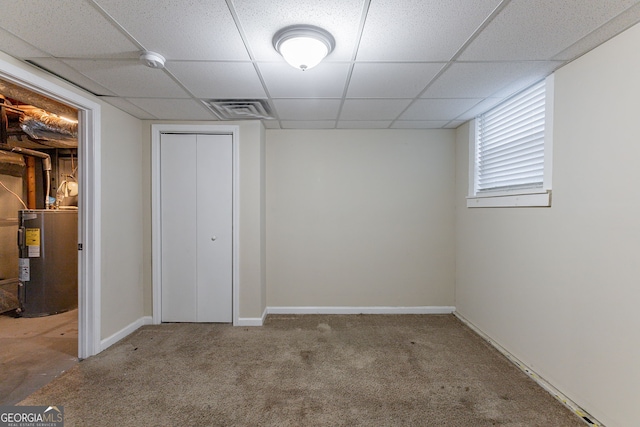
(362, 310)
(574, 407)
(127, 330)
(252, 321)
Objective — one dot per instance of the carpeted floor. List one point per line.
(313, 370)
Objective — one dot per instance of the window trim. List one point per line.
(530, 197)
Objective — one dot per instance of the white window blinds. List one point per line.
(510, 143)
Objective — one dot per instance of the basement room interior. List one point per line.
(355, 212)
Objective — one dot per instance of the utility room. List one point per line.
(39, 191)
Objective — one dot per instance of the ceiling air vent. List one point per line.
(240, 109)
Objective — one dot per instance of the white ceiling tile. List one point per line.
(538, 30)
(52, 28)
(419, 124)
(481, 79)
(174, 109)
(437, 109)
(363, 124)
(129, 78)
(389, 80)
(339, 17)
(327, 80)
(419, 30)
(307, 109)
(17, 47)
(602, 34)
(218, 80)
(61, 69)
(373, 109)
(403, 45)
(193, 30)
(128, 107)
(308, 124)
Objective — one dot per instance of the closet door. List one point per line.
(179, 230)
(196, 230)
(214, 228)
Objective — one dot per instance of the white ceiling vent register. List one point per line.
(240, 109)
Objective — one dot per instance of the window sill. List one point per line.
(542, 199)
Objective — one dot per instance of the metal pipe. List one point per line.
(46, 163)
(31, 182)
(46, 159)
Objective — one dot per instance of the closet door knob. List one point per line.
(213, 239)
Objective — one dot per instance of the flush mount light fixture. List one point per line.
(303, 46)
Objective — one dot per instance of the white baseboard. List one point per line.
(362, 310)
(252, 321)
(127, 330)
(574, 407)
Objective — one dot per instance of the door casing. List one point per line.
(89, 206)
(156, 247)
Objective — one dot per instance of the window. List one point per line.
(511, 151)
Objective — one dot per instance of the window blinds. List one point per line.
(510, 149)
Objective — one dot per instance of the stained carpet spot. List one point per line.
(323, 327)
(306, 355)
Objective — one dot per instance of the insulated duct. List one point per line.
(26, 96)
(39, 124)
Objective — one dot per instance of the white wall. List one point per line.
(122, 300)
(559, 287)
(252, 211)
(360, 218)
(252, 269)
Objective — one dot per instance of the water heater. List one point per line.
(48, 263)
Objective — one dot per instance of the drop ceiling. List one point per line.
(397, 63)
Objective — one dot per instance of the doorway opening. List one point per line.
(81, 166)
(39, 187)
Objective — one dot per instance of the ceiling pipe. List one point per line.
(46, 164)
(46, 159)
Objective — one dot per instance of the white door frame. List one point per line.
(156, 215)
(89, 267)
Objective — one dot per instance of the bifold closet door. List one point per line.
(196, 213)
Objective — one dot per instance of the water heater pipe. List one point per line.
(31, 182)
(46, 163)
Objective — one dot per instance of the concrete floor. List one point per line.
(34, 351)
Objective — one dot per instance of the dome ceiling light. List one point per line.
(303, 46)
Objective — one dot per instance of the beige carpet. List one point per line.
(314, 370)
